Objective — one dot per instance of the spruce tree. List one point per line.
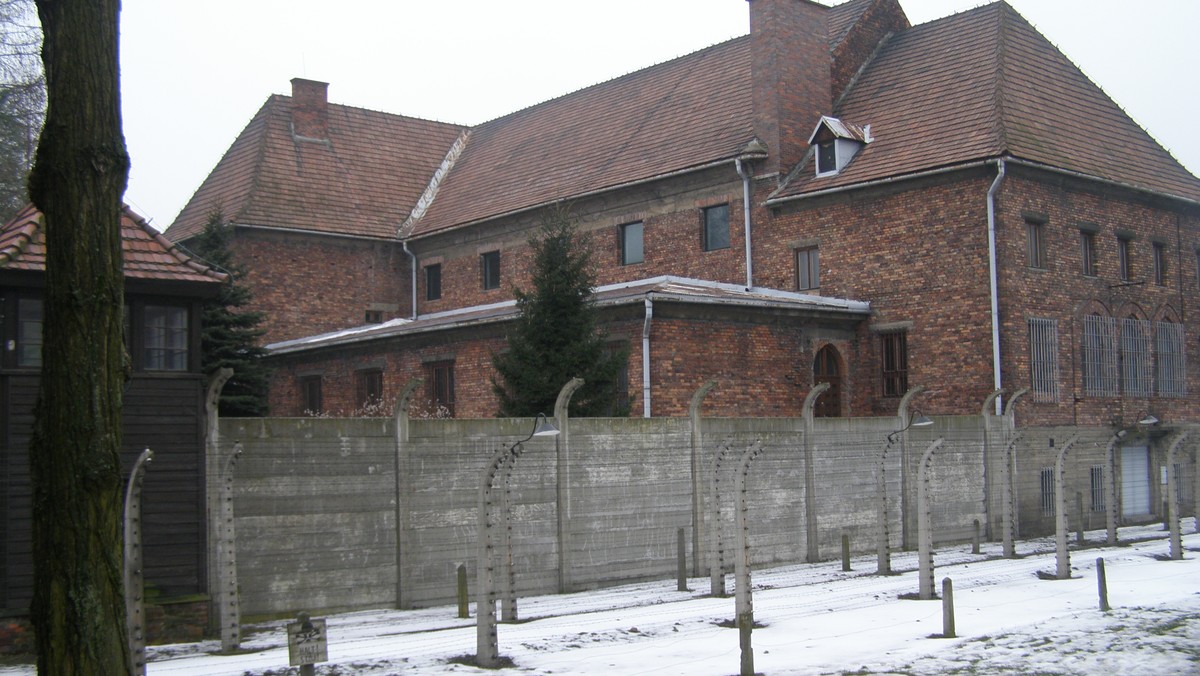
(554, 337)
(230, 334)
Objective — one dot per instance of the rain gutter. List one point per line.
(412, 257)
(646, 357)
(994, 281)
(742, 171)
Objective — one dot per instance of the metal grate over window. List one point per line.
(1169, 365)
(1047, 493)
(1135, 357)
(1043, 359)
(1099, 359)
(1097, 487)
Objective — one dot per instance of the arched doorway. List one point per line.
(827, 368)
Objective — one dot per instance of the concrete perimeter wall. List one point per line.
(325, 508)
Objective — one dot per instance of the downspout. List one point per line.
(412, 257)
(995, 285)
(646, 357)
(745, 174)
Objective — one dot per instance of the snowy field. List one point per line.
(815, 619)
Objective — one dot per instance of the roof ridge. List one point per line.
(405, 230)
(615, 78)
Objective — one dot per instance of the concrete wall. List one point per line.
(326, 507)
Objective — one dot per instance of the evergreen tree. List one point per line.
(554, 338)
(230, 335)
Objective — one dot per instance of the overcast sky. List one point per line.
(193, 73)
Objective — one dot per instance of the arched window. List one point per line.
(827, 369)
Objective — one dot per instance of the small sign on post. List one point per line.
(307, 641)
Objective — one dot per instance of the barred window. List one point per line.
(1169, 366)
(1160, 263)
(895, 363)
(1124, 262)
(1043, 359)
(1047, 477)
(1135, 357)
(1099, 358)
(1035, 244)
(1097, 486)
(1087, 253)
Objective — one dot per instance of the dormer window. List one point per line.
(837, 143)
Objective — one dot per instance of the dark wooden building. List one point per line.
(163, 403)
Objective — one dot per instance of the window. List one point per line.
(1035, 245)
(895, 363)
(1097, 486)
(1043, 359)
(1160, 263)
(631, 243)
(1047, 493)
(373, 317)
(1169, 365)
(441, 387)
(489, 265)
(808, 269)
(1135, 357)
(29, 332)
(716, 227)
(1123, 259)
(433, 281)
(368, 387)
(1087, 253)
(1099, 355)
(166, 338)
(310, 395)
(826, 158)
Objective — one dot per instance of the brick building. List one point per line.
(837, 197)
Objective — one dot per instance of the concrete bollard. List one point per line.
(948, 609)
(463, 607)
(845, 552)
(1102, 585)
(681, 556)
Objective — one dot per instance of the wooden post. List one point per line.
(463, 606)
(948, 609)
(1102, 585)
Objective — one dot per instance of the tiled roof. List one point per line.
(664, 289)
(984, 84)
(680, 114)
(148, 255)
(363, 180)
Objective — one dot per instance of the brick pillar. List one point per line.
(309, 108)
(790, 66)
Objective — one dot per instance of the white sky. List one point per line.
(193, 73)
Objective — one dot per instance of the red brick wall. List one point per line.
(311, 284)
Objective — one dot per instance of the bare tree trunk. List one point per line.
(79, 176)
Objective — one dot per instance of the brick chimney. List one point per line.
(309, 108)
(790, 65)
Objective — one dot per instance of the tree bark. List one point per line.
(79, 176)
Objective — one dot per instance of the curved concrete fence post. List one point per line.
(213, 463)
(812, 537)
(1008, 505)
(1110, 490)
(924, 527)
(883, 546)
(1062, 557)
(228, 606)
(1173, 495)
(987, 413)
(697, 475)
(402, 471)
(716, 545)
(562, 470)
(906, 510)
(744, 602)
(1009, 472)
(487, 650)
(135, 598)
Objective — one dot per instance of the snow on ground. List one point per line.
(816, 620)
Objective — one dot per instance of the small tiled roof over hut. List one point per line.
(147, 254)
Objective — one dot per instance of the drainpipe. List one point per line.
(646, 357)
(995, 286)
(412, 257)
(745, 174)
